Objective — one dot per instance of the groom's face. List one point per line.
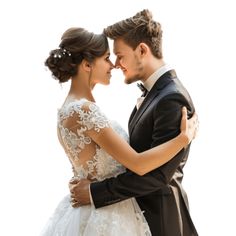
(127, 60)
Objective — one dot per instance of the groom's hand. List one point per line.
(79, 190)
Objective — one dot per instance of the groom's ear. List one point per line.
(143, 49)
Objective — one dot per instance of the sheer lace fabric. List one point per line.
(90, 161)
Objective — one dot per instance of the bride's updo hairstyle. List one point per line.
(76, 44)
(141, 28)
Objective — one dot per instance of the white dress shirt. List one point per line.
(148, 84)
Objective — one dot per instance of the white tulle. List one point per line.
(120, 219)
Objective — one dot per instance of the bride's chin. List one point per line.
(106, 83)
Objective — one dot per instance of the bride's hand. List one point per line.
(189, 127)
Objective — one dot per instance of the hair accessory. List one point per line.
(62, 52)
(65, 51)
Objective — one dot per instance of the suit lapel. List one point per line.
(154, 92)
(132, 115)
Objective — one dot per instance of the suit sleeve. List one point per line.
(166, 126)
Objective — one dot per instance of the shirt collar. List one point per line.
(148, 84)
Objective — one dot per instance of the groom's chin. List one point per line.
(129, 80)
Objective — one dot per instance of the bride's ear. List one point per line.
(87, 66)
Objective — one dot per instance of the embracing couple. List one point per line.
(123, 184)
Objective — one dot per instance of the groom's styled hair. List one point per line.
(141, 28)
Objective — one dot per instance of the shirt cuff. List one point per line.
(90, 196)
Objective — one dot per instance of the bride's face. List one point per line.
(101, 69)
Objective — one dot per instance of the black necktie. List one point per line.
(143, 89)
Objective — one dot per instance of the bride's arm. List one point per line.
(144, 162)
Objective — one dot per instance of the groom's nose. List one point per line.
(117, 64)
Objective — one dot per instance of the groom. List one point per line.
(156, 119)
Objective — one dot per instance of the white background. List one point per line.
(198, 41)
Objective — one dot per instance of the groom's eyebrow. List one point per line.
(115, 51)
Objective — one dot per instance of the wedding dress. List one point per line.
(90, 161)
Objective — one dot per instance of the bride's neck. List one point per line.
(80, 89)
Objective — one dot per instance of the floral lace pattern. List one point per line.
(116, 223)
(88, 116)
(123, 218)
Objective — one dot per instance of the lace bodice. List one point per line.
(87, 158)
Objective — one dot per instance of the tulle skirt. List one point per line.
(120, 219)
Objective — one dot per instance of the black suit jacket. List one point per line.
(159, 193)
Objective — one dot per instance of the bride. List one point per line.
(96, 146)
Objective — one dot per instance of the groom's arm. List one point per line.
(129, 184)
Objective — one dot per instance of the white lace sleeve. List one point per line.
(91, 117)
(75, 119)
(78, 121)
